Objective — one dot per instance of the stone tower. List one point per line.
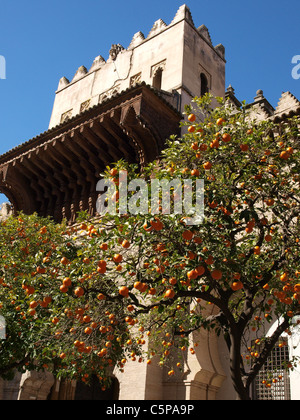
(178, 59)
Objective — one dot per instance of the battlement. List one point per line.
(177, 59)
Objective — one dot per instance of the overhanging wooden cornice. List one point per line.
(60, 167)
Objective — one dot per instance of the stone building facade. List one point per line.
(125, 107)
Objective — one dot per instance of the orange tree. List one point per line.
(80, 300)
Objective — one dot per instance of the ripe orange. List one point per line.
(64, 261)
(156, 224)
(195, 172)
(102, 353)
(237, 285)
(216, 274)
(138, 285)
(192, 117)
(284, 277)
(104, 247)
(117, 258)
(284, 155)
(256, 250)
(79, 291)
(191, 129)
(200, 270)
(113, 172)
(63, 288)
(207, 166)
(192, 275)
(187, 235)
(270, 201)
(220, 121)
(124, 291)
(173, 281)
(169, 293)
(33, 304)
(244, 147)
(215, 144)
(125, 243)
(226, 137)
(67, 282)
(152, 291)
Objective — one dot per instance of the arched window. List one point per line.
(203, 84)
(157, 79)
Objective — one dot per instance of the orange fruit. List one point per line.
(64, 261)
(79, 291)
(124, 291)
(284, 155)
(216, 274)
(244, 147)
(256, 250)
(187, 235)
(226, 137)
(207, 166)
(195, 172)
(237, 285)
(125, 243)
(173, 281)
(270, 201)
(192, 275)
(67, 282)
(192, 117)
(220, 121)
(113, 172)
(138, 285)
(200, 270)
(169, 293)
(156, 224)
(33, 304)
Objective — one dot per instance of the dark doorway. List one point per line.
(94, 392)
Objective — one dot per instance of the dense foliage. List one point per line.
(84, 299)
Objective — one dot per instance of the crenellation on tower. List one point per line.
(177, 59)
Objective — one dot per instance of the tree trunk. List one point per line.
(235, 367)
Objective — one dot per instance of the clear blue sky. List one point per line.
(43, 41)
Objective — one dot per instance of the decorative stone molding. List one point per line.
(66, 116)
(137, 78)
(85, 105)
(159, 66)
(109, 93)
